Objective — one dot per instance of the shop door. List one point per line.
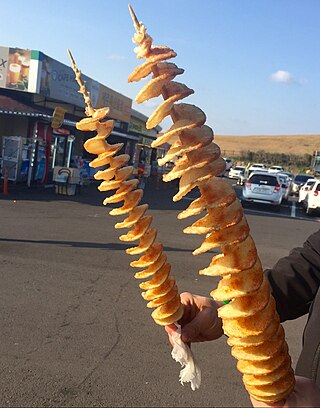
(59, 150)
(11, 156)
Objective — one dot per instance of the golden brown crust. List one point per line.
(161, 290)
(239, 284)
(252, 325)
(270, 330)
(272, 389)
(262, 351)
(266, 366)
(171, 319)
(250, 319)
(153, 268)
(248, 305)
(270, 378)
(276, 397)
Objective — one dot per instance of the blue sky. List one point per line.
(254, 64)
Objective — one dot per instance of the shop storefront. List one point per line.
(32, 86)
(30, 148)
(144, 157)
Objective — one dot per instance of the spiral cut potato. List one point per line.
(160, 290)
(249, 319)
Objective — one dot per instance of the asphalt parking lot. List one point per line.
(75, 329)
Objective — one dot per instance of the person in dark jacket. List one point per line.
(295, 285)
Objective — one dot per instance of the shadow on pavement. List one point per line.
(79, 244)
(159, 197)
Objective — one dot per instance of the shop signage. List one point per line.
(33, 71)
(61, 131)
(138, 126)
(145, 141)
(58, 117)
(15, 69)
(120, 105)
(58, 82)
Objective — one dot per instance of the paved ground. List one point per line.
(75, 330)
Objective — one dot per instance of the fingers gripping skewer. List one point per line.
(160, 290)
(249, 315)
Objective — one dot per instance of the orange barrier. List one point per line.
(5, 181)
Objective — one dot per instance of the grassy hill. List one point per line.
(289, 144)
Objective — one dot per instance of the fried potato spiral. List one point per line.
(160, 290)
(250, 319)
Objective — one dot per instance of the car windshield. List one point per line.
(263, 179)
(301, 177)
(238, 168)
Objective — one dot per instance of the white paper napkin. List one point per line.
(182, 353)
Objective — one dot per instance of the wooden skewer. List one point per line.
(90, 110)
(134, 18)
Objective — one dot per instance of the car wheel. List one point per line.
(309, 210)
(244, 204)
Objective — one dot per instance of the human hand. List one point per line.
(200, 321)
(305, 394)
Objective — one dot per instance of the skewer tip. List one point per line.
(134, 18)
(71, 57)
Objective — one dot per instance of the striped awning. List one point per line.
(10, 106)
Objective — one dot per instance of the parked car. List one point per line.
(312, 201)
(290, 178)
(285, 184)
(305, 188)
(257, 167)
(236, 172)
(298, 182)
(263, 187)
(275, 169)
(289, 174)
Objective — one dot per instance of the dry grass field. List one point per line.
(289, 144)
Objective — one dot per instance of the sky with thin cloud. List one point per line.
(254, 64)
(116, 57)
(282, 76)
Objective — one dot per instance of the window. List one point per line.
(301, 177)
(264, 179)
